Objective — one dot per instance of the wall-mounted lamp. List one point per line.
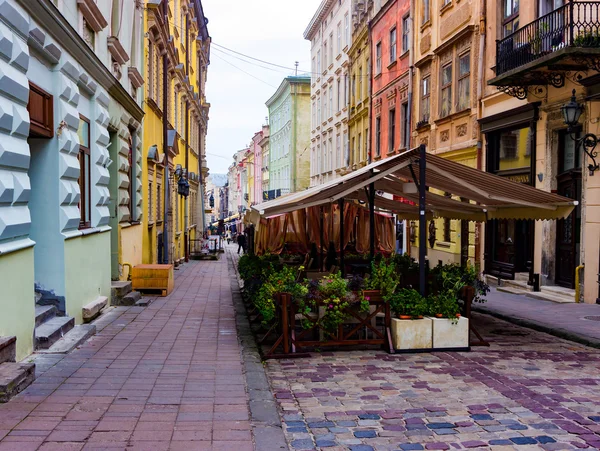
(571, 113)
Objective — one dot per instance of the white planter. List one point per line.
(450, 334)
(412, 333)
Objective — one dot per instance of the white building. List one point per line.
(330, 34)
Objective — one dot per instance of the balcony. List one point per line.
(562, 44)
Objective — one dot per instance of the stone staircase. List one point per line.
(519, 286)
(123, 295)
(14, 377)
(58, 334)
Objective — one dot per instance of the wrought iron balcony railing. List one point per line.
(574, 25)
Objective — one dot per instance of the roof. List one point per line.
(317, 18)
(285, 83)
(455, 191)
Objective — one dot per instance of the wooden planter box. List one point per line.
(153, 278)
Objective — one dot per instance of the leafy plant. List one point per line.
(444, 303)
(383, 277)
(407, 301)
(283, 281)
(587, 38)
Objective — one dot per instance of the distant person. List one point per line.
(241, 240)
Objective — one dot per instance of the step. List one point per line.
(72, 339)
(91, 310)
(561, 291)
(516, 284)
(512, 290)
(522, 277)
(145, 301)
(44, 313)
(14, 378)
(8, 349)
(119, 289)
(128, 300)
(552, 297)
(52, 330)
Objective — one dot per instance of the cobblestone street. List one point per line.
(165, 377)
(528, 390)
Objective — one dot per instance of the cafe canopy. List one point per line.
(454, 191)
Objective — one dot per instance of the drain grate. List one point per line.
(592, 318)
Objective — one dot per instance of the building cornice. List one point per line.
(318, 18)
(44, 12)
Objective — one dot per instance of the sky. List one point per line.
(270, 30)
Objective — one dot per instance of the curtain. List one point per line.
(297, 232)
(385, 238)
(271, 235)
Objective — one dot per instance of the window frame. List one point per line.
(511, 18)
(425, 98)
(462, 78)
(378, 136)
(392, 130)
(444, 87)
(426, 11)
(393, 44)
(378, 58)
(85, 187)
(405, 126)
(405, 34)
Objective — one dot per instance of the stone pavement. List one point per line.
(165, 377)
(577, 322)
(527, 391)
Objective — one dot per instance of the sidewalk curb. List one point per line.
(264, 414)
(540, 327)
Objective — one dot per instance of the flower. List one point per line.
(367, 298)
(330, 305)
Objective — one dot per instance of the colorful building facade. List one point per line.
(289, 140)
(177, 58)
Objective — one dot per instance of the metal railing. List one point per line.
(576, 24)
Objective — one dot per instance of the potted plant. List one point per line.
(408, 304)
(383, 279)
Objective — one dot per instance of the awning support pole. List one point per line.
(341, 208)
(372, 219)
(422, 219)
(321, 260)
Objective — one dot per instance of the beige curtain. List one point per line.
(271, 234)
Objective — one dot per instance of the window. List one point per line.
(176, 106)
(324, 99)
(366, 144)
(339, 94)
(378, 58)
(150, 205)
(318, 112)
(319, 168)
(313, 68)
(324, 168)
(446, 2)
(393, 45)
(347, 29)
(314, 113)
(405, 34)
(331, 101)
(89, 35)
(353, 149)
(425, 96)
(358, 152)
(447, 230)
(318, 63)
(346, 87)
(464, 81)
(446, 104)
(338, 149)
(85, 186)
(151, 70)
(131, 176)
(331, 162)
(331, 48)
(325, 56)
(339, 37)
(405, 139)
(391, 130)
(425, 6)
(346, 149)
(359, 92)
(378, 137)
(159, 202)
(510, 16)
(354, 89)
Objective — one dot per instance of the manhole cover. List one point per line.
(592, 318)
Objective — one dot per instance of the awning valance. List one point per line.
(455, 191)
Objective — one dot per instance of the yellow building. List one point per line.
(445, 109)
(176, 118)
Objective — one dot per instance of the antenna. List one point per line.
(296, 64)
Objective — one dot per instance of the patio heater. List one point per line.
(422, 218)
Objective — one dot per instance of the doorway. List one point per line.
(568, 230)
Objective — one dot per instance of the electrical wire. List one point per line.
(249, 62)
(247, 73)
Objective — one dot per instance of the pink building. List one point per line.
(258, 185)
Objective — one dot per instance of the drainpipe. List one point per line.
(410, 73)
(166, 140)
(187, 139)
(294, 135)
(480, 87)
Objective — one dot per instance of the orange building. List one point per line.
(390, 50)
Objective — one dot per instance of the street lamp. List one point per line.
(571, 113)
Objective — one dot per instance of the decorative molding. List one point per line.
(444, 135)
(117, 50)
(136, 78)
(92, 15)
(461, 130)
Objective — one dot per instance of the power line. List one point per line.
(249, 62)
(252, 58)
(247, 73)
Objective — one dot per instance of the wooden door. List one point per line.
(568, 231)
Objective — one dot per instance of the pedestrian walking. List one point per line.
(241, 240)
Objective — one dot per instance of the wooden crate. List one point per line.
(153, 278)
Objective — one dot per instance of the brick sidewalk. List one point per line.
(562, 320)
(165, 377)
